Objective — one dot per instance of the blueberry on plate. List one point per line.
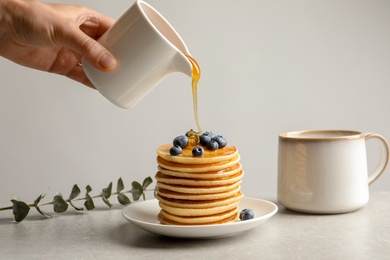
(247, 214)
(197, 151)
(212, 145)
(175, 150)
(181, 141)
(220, 140)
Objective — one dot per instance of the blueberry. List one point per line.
(197, 151)
(211, 134)
(247, 214)
(204, 139)
(220, 140)
(181, 141)
(175, 150)
(212, 145)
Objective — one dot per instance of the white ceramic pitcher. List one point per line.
(147, 49)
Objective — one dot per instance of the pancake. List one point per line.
(166, 221)
(226, 172)
(189, 212)
(196, 220)
(198, 189)
(224, 154)
(185, 196)
(162, 178)
(202, 204)
(201, 167)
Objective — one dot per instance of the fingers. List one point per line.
(97, 55)
(104, 23)
(95, 26)
(81, 35)
(67, 63)
(77, 74)
(79, 32)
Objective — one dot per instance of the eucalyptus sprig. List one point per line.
(21, 209)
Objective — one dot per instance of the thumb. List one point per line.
(95, 53)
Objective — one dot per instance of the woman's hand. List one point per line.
(54, 37)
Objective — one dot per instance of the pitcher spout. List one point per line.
(181, 63)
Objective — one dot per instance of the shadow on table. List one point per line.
(9, 220)
(132, 236)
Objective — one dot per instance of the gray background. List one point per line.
(267, 67)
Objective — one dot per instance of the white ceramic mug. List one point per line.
(325, 171)
(147, 49)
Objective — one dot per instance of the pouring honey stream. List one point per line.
(194, 136)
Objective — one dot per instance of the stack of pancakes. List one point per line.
(198, 190)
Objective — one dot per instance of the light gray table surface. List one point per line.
(104, 234)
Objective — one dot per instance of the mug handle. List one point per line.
(384, 160)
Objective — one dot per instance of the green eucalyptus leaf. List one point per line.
(105, 200)
(155, 190)
(36, 202)
(146, 182)
(74, 206)
(120, 185)
(136, 190)
(39, 198)
(123, 199)
(20, 209)
(42, 212)
(88, 188)
(59, 203)
(89, 205)
(75, 192)
(106, 193)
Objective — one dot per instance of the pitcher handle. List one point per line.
(384, 157)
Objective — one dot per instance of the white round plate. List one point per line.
(144, 215)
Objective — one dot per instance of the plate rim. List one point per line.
(165, 229)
